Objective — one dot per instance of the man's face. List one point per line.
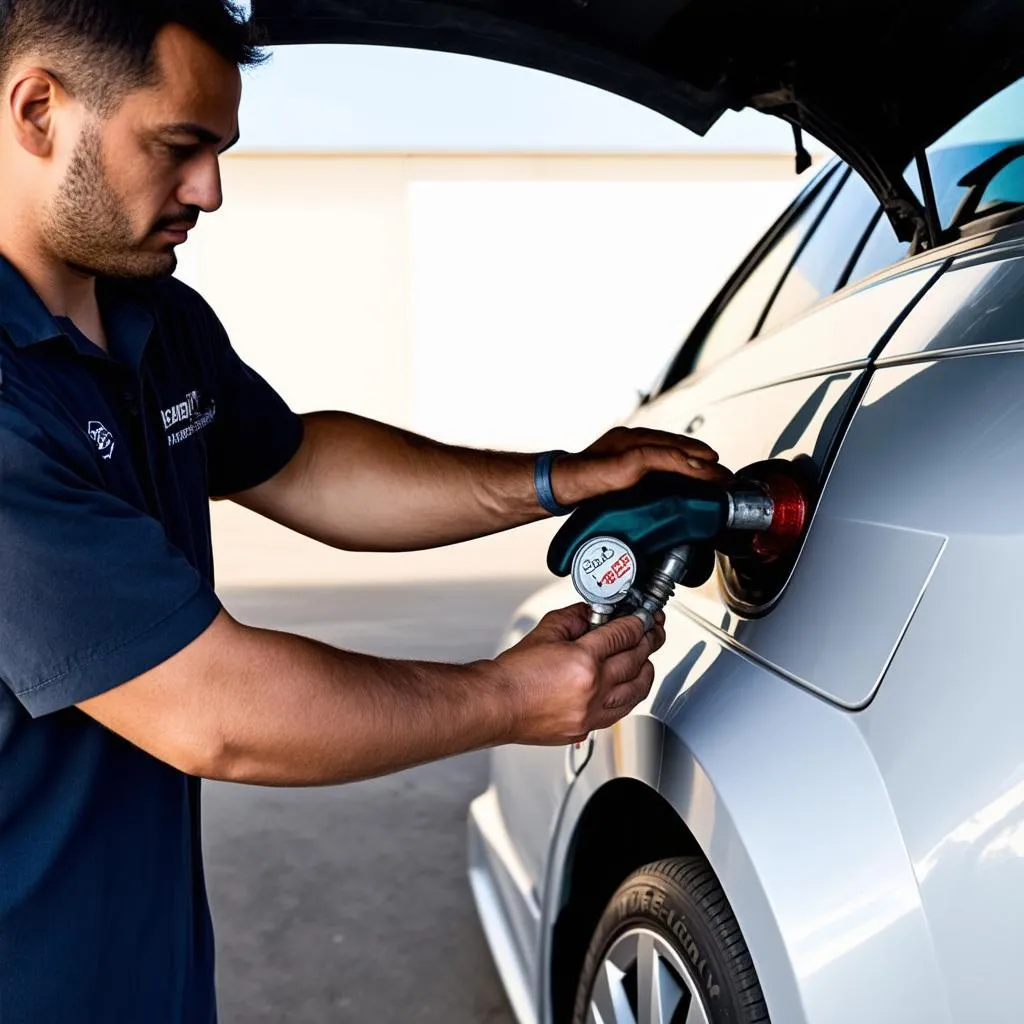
(138, 180)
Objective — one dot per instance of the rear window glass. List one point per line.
(882, 248)
(988, 129)
(1006, 188)
(996, 125)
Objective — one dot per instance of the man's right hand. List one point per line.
(567, 682)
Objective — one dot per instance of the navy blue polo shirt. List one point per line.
(107, 464)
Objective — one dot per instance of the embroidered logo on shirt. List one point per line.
(188, 417)
(102, 438)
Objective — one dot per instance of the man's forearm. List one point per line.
(344, 716)
(365, 486)
(269, 708)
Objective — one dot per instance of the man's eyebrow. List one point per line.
(202, 133)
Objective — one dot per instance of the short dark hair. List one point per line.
(102, 50)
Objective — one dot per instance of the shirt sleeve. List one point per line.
(254, 434)
(92, 594)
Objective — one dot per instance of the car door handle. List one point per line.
(695, 424)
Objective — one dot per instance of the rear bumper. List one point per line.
(502, 893)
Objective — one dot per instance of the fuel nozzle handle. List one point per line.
(662, 511)
(667, 527)
(661, 526)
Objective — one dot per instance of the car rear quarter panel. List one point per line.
(781, 792)
(947, 435)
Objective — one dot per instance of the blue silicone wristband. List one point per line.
(542, 484)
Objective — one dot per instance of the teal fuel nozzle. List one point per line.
(663, 530)
(661, 512)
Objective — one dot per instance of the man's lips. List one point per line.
(179, 231)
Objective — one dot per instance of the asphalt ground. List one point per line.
(351, 903)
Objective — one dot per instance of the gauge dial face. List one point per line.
(603, 570)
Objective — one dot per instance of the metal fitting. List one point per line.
(750, 510)
(662, 585)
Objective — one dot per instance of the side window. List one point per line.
(882, 248)
(737, 321)
(820, 267)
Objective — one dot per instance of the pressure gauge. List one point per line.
(603, 570)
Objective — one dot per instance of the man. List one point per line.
(123, 409)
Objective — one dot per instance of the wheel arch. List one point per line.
(644, 796)
(625, 825)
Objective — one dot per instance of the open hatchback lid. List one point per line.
(874, 80)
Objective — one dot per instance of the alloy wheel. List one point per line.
(643, 980)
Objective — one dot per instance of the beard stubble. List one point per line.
(87, 226)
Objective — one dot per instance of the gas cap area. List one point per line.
(754, 567)
(790, 496)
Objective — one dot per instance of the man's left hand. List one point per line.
(624, 455)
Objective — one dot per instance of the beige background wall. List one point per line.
(466, 297)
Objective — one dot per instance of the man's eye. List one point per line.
(181, 152)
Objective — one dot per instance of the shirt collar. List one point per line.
(22, 313)
(25, 318)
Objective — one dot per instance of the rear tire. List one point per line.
(668, 949)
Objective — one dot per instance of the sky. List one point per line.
(370, 98)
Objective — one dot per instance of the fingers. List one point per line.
(624, 456)
(563, 623)
(571, 689)
(614, 637)
(650, 457)
(621, 668)
(625, 697)
(621, 439)
(689, 445)
(626, 676)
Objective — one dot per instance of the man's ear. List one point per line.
(33, 101)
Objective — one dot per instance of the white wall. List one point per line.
(540, 310)
(475, 299)
(306, 264)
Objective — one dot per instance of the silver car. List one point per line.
(818, 814)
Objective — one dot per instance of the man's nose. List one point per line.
(202, 185)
